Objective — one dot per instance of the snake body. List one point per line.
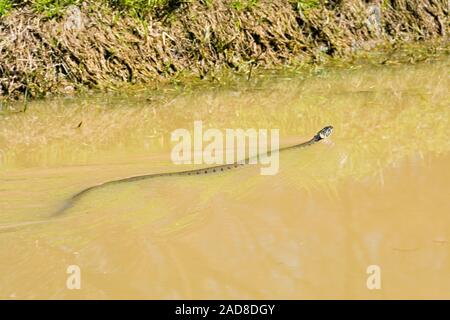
(322, 134)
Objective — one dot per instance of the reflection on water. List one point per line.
(375, 194)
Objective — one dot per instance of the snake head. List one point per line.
(324, 133)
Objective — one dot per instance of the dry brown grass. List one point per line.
(39, 56)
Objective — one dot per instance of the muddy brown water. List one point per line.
(376, 193)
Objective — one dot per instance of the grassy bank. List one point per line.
(57, 46)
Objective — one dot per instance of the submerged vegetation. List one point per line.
(374, 110)
(61, 46)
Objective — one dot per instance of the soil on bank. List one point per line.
(100, 44)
